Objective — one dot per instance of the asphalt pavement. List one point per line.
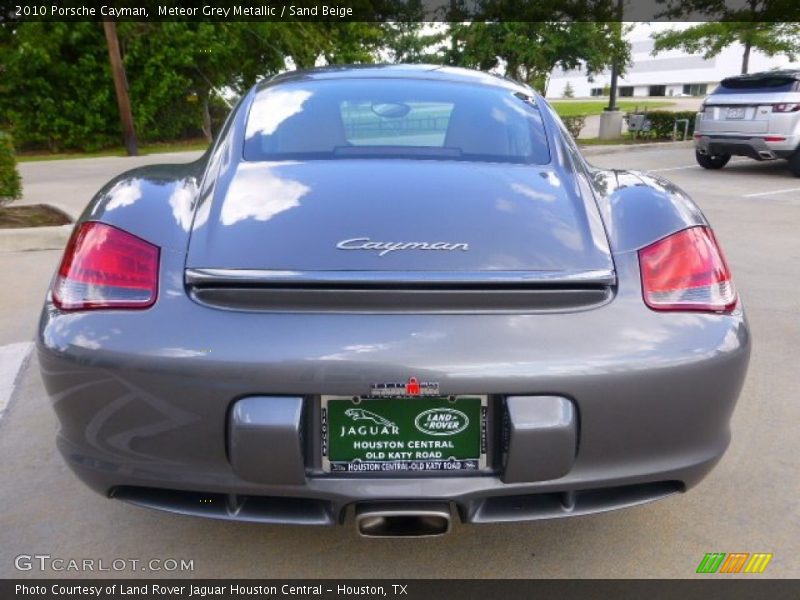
(749, 503)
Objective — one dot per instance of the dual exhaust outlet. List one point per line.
(403, 519)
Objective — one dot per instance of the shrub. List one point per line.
(569, 92)
(10, 184)
(574, 124)
(663, 121)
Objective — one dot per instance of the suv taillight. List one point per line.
(686, 271)
(106, 267)
(786, 107)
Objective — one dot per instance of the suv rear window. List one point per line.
(385, 118)
(758, 84)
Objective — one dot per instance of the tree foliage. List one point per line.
(530, 51)
(10, 182)
(709, 39)
(56, 89)
(753, 24)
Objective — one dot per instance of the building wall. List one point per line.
(672, 69)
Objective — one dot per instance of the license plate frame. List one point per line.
(431, 453)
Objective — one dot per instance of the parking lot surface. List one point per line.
(749, 503)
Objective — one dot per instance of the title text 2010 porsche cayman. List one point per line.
(397, 289)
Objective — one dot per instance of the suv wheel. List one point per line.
(711, 162)
(794, 163)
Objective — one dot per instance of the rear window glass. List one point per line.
(358, 118)
(761, 84)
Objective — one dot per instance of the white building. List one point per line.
(669, 73)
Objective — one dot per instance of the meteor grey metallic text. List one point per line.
(398, 290)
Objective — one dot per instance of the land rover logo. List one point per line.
(384, 248)
(441, 421)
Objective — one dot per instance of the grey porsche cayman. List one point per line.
(395, 296)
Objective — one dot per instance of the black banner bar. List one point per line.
(414, 589)
(399, 10)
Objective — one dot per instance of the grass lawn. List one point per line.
(157, 148)
(570, 108)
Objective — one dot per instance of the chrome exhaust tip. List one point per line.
(411, 519)
(766, 155)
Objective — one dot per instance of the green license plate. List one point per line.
(403, 434)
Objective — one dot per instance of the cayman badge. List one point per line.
(384, 248)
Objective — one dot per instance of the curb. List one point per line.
(34, 238)
(619, 148)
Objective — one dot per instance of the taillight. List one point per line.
(686, 271)
(106, 267)
(786, 107)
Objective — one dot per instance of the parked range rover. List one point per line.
(755, 115)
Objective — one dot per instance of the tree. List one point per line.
(530, 51)
(408, 39)
(407, 42)
(728, 23)
(121, 87)
(569, 91)
(56, 90)
(10, 182)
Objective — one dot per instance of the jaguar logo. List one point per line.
(384, 248)
(375, 424)
(441, 421)
(360, 414)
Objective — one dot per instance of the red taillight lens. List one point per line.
(686, 271)
(106, 267)
(786, 107)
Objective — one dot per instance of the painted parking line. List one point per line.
(783, 191)
(12, 358)
(674, 168)
(692, 166)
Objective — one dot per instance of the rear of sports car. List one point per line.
(398, 297)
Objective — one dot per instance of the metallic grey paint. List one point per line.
(150, 402)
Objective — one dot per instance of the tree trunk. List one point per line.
(207, 120)
(121, 87)
(746, 57)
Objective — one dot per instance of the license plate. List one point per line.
(369, 435)
(736, 113)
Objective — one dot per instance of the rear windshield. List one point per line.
(360, 118)
(758, 84)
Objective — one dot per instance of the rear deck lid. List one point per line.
(394, 218)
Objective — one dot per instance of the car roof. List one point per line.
(397, 71)
(788, 73)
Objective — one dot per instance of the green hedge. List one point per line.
(10, 183)
(574, 124)
(663, 121)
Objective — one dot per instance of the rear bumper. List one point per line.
(476, 499)
(753, 146)
(144, 401)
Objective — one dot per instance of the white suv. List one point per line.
(754, 115)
